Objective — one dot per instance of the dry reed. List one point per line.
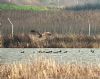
(52, 41)
(48, 69)
(1, 41)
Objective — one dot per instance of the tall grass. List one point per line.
(64, 22)
(52, 41)
(48, 69)
(1, 41)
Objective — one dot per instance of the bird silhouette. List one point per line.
(49, 52)
(65, 51)
(41, 51)
(22, 52)
(92, 51)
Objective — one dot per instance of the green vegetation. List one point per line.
(6, 6)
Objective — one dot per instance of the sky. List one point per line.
(79, 2)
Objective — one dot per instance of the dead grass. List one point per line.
(67, 41)
(74, 22)
(1, 41)
(52, 41)
(48, 69)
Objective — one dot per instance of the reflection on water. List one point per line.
(62, 55)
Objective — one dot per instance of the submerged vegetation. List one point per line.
(8, 6)
(48, 69)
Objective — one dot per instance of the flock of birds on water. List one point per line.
(60, 51)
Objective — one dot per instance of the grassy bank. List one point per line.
(50, 41)
(7, 6)
(48, 69)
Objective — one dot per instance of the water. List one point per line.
(87, 56)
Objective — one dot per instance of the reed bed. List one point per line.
(60, 21)
(1, 41)
(50, 41)
(48, 69)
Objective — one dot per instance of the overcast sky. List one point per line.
(75, 2)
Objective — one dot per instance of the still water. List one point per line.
(61, 55)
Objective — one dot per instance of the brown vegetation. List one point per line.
(20, 41)
(48, 69)
(1, 41)
(52, 21)
(49, 40)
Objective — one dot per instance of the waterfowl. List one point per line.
(41, 51)
(22, 52)
(49, 52)
(65, 51)
(92, 51)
